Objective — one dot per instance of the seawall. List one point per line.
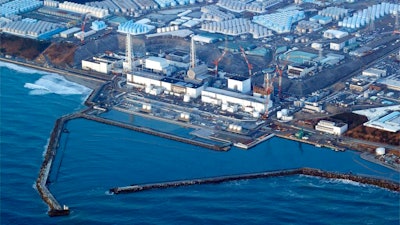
(301, 171)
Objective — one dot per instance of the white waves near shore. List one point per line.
(56, 84)
(21, 69)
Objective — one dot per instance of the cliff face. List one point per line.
(22, 47)
(60, 53)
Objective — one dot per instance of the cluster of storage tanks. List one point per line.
(172, 3)
(106, 4)
(281, 22)
(364, 17)
(307, 26)
(238, 6)
(335, 13)
(51, 3)
(19, 6)
(211, 12)
(146, 107)
(184, 116)
(236, 27)
(167, 29)
(235, 128)
(83, 9)
(30, 27)
(133, 28)
(98, 25)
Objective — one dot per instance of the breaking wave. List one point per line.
(56, 84)
(21, 69)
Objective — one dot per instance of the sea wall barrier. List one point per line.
(302, 171)
(157, 133)
(55, 209)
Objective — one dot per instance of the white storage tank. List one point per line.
(279, 115)
(186, 98)
(380, 151)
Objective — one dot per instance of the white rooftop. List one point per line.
(375, 113)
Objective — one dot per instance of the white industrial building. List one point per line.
(331, 127)
(339, 44)
(392, 82)
(84, 34)
(68, 33)
(389, 122)
(157, 64)
(222, 97)
(374, 72)
(299, 70)
(96, 65)
(150, 81)
(331, 34)
(241, 84)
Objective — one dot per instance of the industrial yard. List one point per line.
(233, 71)
(222, 74)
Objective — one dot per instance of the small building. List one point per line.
(312, 107)
(69, 33)
(331, 34)
(157, 64)
(96, 65)
(241, 84)
(359, 86)
(374, 72)
(299, 70)
(331, 127)
(342, 42)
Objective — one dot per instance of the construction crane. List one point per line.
(249, 66)
(87, 16)
(216, 62)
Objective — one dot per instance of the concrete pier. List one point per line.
(222, 147)
(55, 209)
(302, 171)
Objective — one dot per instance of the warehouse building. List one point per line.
(224, 97)
(389, 122)
(331, 127)
(340, 43)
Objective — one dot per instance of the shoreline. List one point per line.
(55, 208)
(87, 81)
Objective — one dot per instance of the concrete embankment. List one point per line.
(302, 171)
(55, 209)
(157, 133)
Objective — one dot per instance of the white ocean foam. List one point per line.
(21, 69)
(56, 84)
(350, 182)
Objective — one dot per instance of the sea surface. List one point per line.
(95, 157)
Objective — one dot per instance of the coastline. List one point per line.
(93, 92)
(90, 82)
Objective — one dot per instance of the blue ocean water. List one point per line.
(95, 157)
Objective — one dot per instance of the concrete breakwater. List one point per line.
(55, 209)
(222, 147)
(301, 171)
